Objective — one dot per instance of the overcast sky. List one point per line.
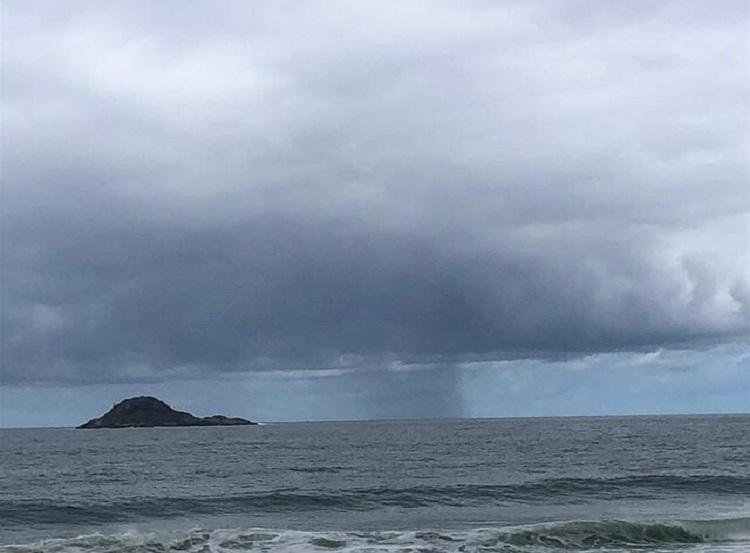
(330, 210)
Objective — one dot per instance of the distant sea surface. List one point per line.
(513, 485)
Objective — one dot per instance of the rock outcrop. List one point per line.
(147, 411)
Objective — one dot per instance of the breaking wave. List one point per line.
(570, 536)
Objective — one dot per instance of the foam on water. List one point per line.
(722, 535)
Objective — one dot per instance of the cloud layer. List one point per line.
(192, 189)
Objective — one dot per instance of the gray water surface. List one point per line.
(680, 483)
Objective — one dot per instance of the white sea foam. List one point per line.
(704, 536)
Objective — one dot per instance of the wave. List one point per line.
(559, 491)
(583, 535)
(570, 536)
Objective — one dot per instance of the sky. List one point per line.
(377, 209)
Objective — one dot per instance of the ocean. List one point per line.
(614, 484)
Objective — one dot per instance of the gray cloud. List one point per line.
(192, 189)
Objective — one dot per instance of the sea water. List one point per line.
(512, 485)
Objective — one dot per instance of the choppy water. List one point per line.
(533, 485)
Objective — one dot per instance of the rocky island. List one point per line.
(145, 411)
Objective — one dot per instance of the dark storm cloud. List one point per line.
(192, 189)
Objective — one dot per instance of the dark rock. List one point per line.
(148, 411)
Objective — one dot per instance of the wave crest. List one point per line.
(558, 491)
(570, 535)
